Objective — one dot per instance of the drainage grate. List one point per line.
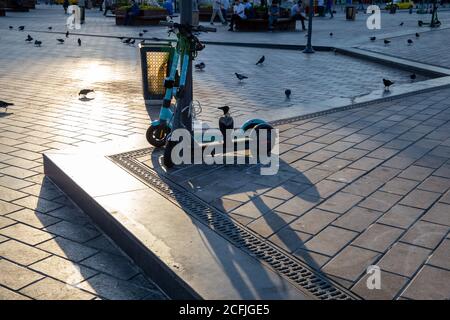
(292, 269)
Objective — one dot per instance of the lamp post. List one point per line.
(309, 48)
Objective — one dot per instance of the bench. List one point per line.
(140, 20)
(262, 24)
(2, 12)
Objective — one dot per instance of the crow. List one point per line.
(410, 42)
(373, 38)
(140, 34)
(67, 34)
(145, 31)
(200, 66)
(11, 27)
(37, 43)
(287, 92)
(331, 34)
(61, 41)
(5, 105)
(50, 28)
(417, 35)
(226, 122)
(413, 76)
(261, 60)
(84, 92)
(133, 42)
(387, 83)
(21, 28)
(401, 24)
(29, 39)
(127, 41)
(240, 76)
(79, 42)
(386, 41)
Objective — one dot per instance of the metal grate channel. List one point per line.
(289, 267)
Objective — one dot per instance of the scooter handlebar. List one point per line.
(193, 28)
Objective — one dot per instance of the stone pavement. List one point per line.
(378, 170)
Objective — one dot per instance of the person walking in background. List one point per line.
(296, 13)
(82, 5)
(274, 13)
(132, 12)
(321, 8)
(108, 6)
(329, 8)
(225, 7)
(65, 6)
(217, 10)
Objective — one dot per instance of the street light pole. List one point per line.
(186, 18)
(309, 48)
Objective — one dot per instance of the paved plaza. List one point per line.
(358, 187)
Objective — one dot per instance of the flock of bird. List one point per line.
(38, 43)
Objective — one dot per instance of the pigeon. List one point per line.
(21, 28)
(261, 60)
(50, 28)
(132, 42)
(413, 76)
(145, 31)
(417, 35)
(140, 34)
(200, 66)
(67, 34)
(61, 41)
(29, 39)
(287, 92)
(84, 92)
(410, 42)
(79, 42)
(37, 43)
(401, 24)
(386, 41)
(127, 41)
(331, 34)
(11, 27)
(5, 105)
(387, 83)
(373, 38)
(240, 76)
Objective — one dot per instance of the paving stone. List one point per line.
(380, 201)
(378, 237)
(324, 189)
(33, 218)
(114, 289)
(364, 186)
(416, 173)
(287, 190)
(420, 199)
(441, 256)
(399, 186)
(113, 265)
(365, 163)
(313, 221)
(6, 294)
(67, 249)
(340, 202)
(435, 184)
(391, 285)
(425, 234)
(352, 154)
(350, 263)
(430, 161)
(21, 253)
(13, 183)
(63, 270)
(429, 285)
(330, 240)
(25, 234)
(7, 194)
(357, 219)
(4, 222)
(314, 260)
(3, 239)
(289, 239)
(71, 214)
(16, 277)
(270, 223)
(401, 216)
(38, 204)
(299, 205)
(72, 231)
(439, 213)
(311, 176)
(49, 289)
(382, 153)
(404, 259)
(6, 207)
(346, 175)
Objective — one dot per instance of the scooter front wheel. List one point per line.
(157, 135)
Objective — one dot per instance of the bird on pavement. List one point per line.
(145, 31)
(132, 42)
(373, 38)
(200, 66)
(50, 28)
(226, 122)
(386, 41)
(287, 92)
(410, 42)
(79, 42)
(84, 92)
(140, 34)
(67, 34)
(261, 60)
(5, 105)
(401, 24)
(240, 76)
(61, 41)
(21, 28)
(413, 76)
(29, 39)
(11, 27)
(331, 34)
(127, 41)
(387, 83)
(37, 43)
(417, 35)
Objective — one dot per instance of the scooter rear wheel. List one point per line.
(157, 135)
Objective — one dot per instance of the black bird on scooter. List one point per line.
(225, 122)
